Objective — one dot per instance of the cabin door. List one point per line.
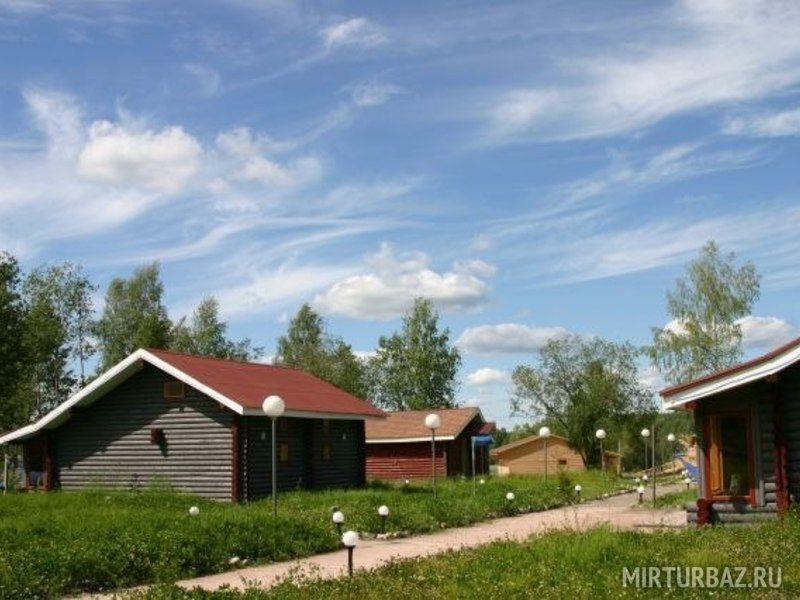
(729, 455)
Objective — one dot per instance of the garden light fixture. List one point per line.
(433, 422)
(383, 512)
(338, 518)
(350, 540)
(194, 511)
(274, 407)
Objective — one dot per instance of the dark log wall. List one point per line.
(322, 454)
(110, 442)
(790, 387)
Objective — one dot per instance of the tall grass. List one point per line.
(57, 543)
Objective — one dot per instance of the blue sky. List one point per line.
(535, 168)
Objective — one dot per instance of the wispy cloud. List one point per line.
(702, 54)
(486, 376)
(357, 32)
(768, 125)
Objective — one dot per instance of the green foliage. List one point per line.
(206, 335)
(704, 335)
(308, 346)
(563, 564)
(59, 543)
(581, 384)
(134, 316)
(415, 368)
(15, 405)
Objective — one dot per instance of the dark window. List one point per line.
(562, 462)
(174, 390)
(283, 452)
(326, 451)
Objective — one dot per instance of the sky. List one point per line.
(534, 168)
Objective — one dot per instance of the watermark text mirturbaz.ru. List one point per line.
(702, 577)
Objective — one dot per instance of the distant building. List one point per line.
(526, 456)
(399, 446)
(196, 424)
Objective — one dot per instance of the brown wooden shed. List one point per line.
(527, 456)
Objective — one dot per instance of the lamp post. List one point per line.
(433, 422)
(338, 518)
(194, 511)
(350, 540)
(671, 439)
(640, 491)
(600, 434)
(383, 512)
(274, 407)
(578, 490)
(544, 433)
(688, 482)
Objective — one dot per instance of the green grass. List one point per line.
(674, 500)
(58, 543)
(556, 565)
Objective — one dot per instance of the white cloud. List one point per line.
(765, 332)
(356, 32)
(776, 124)
(507, 338)
(477, 267)
(58, 116)
(373, 93)
(393, 282)
(209, 79)
(701, 54)
(487, 376)
(162, 161)
(298, 172)
(651, 378)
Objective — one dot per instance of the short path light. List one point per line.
(640, 491)
(688, 482)
(510, 496)
(645, 478)
(433, 422)
(406, 482)
(482, 481)
(350, 540)
(338, 518)
(578, 490)
(383, 512)
(194, 511)
(544, 433)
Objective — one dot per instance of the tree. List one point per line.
(134, 316)
(15, 407)
(417, 367)
(705, 306)
(581, 385)
(307, 345)
(58, 321)
(206, 335)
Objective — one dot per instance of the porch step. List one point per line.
(728, 513)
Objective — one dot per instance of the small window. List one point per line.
(562, 462)
(283, 452)
(326, 452)
(174, 390)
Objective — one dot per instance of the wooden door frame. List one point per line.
(747, 414)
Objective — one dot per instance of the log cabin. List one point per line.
(747, 423)
(399, 446)
(195, 424)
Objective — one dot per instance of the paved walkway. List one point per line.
(619, 511)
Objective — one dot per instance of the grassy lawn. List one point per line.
(674, 500)
(557, 565)
(52, 544)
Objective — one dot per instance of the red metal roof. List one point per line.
(487, 428)
(730, 370)
(248, 384)
(411, 423)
